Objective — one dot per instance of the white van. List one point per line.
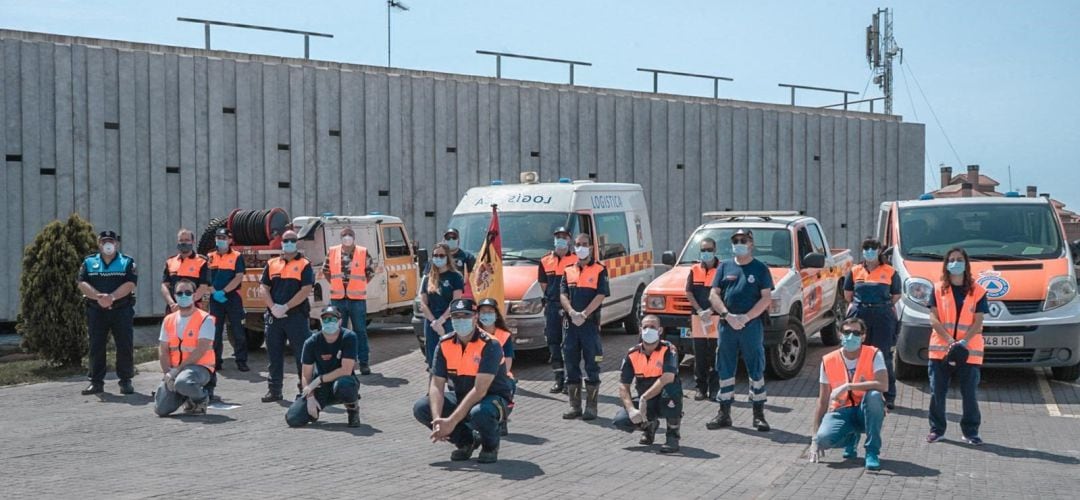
(614, 214)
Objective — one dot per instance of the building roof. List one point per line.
(956, 191)
(984, 180)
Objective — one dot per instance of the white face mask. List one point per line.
(108, 248)
(582, 252)
(347, 241)
(650, 335)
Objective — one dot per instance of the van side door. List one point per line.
(398, 266)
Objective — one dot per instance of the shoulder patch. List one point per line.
(635, 348)
(447, 336)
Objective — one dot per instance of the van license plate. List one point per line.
(1003, 340)
(684, 333)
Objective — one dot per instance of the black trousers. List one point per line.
(119, 322)
(706, 379)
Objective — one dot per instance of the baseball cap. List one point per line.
(463, 306)
(108, 235)
(743, 232)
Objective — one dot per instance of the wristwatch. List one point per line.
(722, 315)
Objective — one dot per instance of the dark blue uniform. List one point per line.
(740, 288)
(326, 357)
(106, 276)
(550, 273)
(581, 284)
(872, 302)
(438, 303)
(668, 404)
(285, 278)
(232, 310)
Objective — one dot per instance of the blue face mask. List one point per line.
(438, 261)
(851, 343)
(955, 268)
(562, 243)
(329, 326)
(869, 254)
(288, 247)
(488, 319)
(453, 244)
(707, 256)
(222, 244)
(185, 300)
(463, 327)
(740, 249)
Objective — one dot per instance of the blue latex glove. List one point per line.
(219, 295)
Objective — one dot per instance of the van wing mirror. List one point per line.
(888, 252)
(814, 261)
(668, 258)
(421, 258)
(1075, 250)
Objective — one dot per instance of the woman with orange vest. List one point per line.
(492, 322)
(186, 355)
(703, 324)
(348, 267)
(957, 307)
(653, 367)
(872, 288)
(850, 400)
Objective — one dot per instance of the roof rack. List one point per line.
(764, 215)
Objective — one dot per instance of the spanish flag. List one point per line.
(487, 278)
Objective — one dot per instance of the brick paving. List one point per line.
(57, 443)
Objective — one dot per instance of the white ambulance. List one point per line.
(613, 213)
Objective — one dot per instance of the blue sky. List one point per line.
(1001, 76)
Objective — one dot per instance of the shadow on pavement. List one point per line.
(684, 451)
(512, 470)
(525, 439)
(1009, 452)
(536, 395)
(768, 407)
(774, 435)
(137, 399)
(364, 430)
(378, 379)
(208, 419)
(904, 469)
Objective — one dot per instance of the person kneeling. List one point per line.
(327, 362)
(851, 400)
(186, 354)
(469, 416)
(654, 368)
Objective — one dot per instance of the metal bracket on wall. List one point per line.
(657, 72)
(500, 55)
(207, 23)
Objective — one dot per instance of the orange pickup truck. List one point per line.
(808, 296)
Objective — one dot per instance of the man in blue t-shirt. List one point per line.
(328, 360)
(741, 295)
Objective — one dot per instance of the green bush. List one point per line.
(52, 317)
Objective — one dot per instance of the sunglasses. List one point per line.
(708, 249)
(448, 238)
(852, 332)
(869, 247)
(184, 294)
(290, 240)
(438, 255)
(741, 240)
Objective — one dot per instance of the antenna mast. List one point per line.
(881, 48)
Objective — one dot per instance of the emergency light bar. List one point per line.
(761, 214)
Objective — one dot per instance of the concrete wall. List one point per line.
(145, 139)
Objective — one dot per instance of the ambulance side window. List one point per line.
(394, 242)
(612, 237)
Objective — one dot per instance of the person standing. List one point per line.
(329, 358)
(226, 275)
(850, 401)
(703, 324)
(107, 281)
(741, 294)
(582, 292)
(186, 264)
(550, 276)
(872, 288)
(464, 262)
(653, 367)
(286, 283)
(349, 267)
(441, 285)
(957, 308)
(186, 355)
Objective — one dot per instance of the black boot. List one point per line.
(592, 393)
(465, 452)
(560, 383)
(759, 417)
(722, 419)
(671, 441)
(648, 432)
(503, 428)
(575, 402)
(488, 455)
(93, 389)
(354, 416)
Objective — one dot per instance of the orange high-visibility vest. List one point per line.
(703, 277)
(648, 366)
(555, 265)
(357, 288)
(189, 268)
(503, 337)
(589, 277)
(958, 323)
(464, 362)
(836, 372)
(280, 268)
(882, 274)
(224, 262)
(182, 344)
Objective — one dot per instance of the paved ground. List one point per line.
(56, 443)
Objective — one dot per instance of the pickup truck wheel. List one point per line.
(254, 339)
(1066, 373)
(786, 359)
(906, 371)
(632, 323)
(830, 334)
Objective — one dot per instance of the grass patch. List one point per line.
(32, 371)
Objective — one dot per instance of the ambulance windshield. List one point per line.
(991, 231)
(771, 246)
(526, 236)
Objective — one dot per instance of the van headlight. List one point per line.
(1061, 291)
(658, 302)
(919, 291)
(774, 307)
(527, 307)
(416, 307)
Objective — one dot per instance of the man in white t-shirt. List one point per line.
(850, 400)
(186, 355)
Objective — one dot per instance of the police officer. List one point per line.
(872, 288)
(741, 294)
(186, 356)
(464, 261)
(653, 367)
(550, 276)
(186, 264)
(226, 275)
(107, 281)
(469, 416)
(584, 287)
(703, 324)
(348, 267)
(329, 358)
(849, 399)
(286, 282)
